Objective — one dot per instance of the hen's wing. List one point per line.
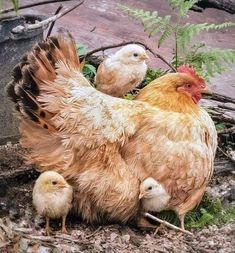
(62, 115)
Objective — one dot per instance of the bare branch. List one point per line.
(167, 224)
(32, 5)
(53, 23)
(44, 23)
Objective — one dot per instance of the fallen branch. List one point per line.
(44, 23)
(228, 130)
(167, 224)
(53, 23)
(219, 97)
(124, 43)
(226, 154)
(32, 5)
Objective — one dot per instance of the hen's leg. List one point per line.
(181, 217)
(63, 229)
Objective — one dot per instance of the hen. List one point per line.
(122, 71)
(52, 198)
(105, 146)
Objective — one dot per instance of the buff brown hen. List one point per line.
(104, 146)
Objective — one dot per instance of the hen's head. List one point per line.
(51, 182)
(131, 54)
(191, 84)
(179, 91)
(150, 188)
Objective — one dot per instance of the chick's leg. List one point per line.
(143, 223)
(48, 230)
(63, 229)
(181, 217)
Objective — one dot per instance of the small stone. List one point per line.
(113, 236)
(126, 238)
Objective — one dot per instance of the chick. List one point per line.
(52, 197)
(122, 71)
(153, 195)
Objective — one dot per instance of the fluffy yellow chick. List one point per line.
(122, 71)
(153, 196)
(52, 197)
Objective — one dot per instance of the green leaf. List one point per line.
(81, 49)
(220, 127)
(15, 4)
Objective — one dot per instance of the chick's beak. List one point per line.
(144, 57)
(62, 185)
(142, 194)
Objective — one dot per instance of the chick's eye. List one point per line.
(150, 188)
(54, 182)
(135, 54)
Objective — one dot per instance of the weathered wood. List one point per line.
(226, 5)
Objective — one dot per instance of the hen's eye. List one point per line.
(150, 188)
(135, 54)
(188, 85)
(54, 182)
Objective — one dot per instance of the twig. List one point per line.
(44, 23)
(124, 43)
(53, 23)
(228, 130)
(32, 5)
(226, 154)
(97, 230)
(167, 224)
(93, 29)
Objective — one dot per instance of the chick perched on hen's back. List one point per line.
(52, 197)
(122, 71)
(153, 195)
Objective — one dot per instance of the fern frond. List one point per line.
(207, 63)
(188, 31)
(165, 35)
(183, 6)
(151, 21)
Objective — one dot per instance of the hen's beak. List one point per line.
(206, 91)
(144, 57)
(142, 194)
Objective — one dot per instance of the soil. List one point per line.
(21, 230)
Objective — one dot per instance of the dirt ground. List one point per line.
(21, 230)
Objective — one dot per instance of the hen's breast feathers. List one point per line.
(178, 152)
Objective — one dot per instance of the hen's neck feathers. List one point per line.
(162, 93)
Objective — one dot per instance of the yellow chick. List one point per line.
(153, 196)
(122, 71)
(52, 198)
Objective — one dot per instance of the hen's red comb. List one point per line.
(187, 69)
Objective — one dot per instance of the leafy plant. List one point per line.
(210, 211)
(88, 70)
(207, 61)
(15, 4)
